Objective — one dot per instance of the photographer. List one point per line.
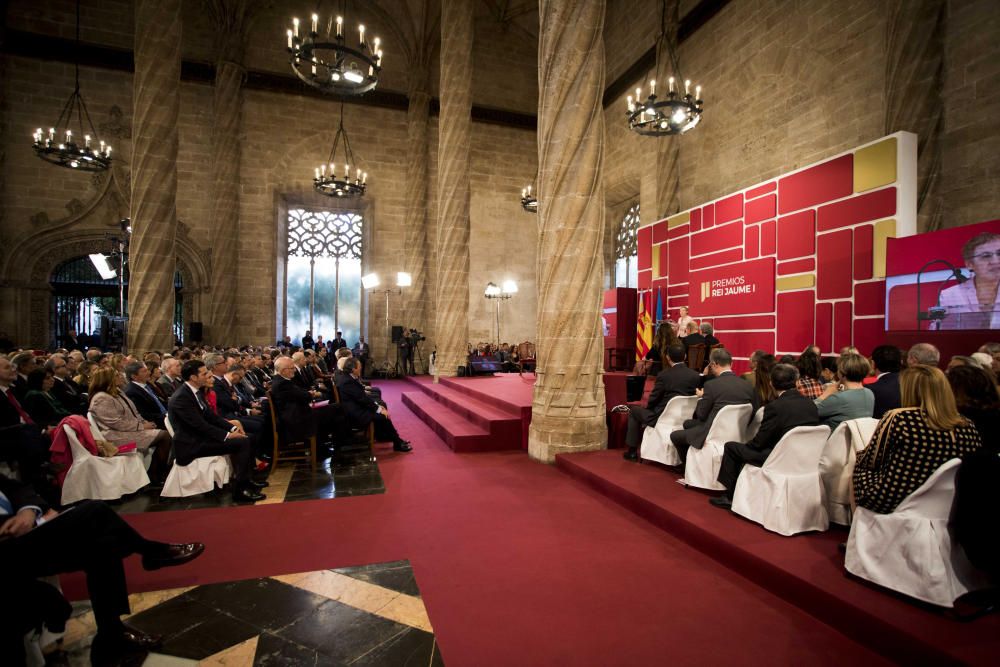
(406, 344)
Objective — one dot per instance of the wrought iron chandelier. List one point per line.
(674, 114)
(529, 202)
(329, 181)
(59, 146)
(330, 61)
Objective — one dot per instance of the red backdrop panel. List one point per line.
(833, 273)
(695, 219)
(869, 298)
(744, 287)
(743, 343)
(717, 238)
(864, 247)
(745, 322)
(841, 325)
(767, 245)
(660, 230)
(761, 189)
(730, 208)
(644, 243)
(645, 279)
(717, 258)
(796, 266)
(664, 259)
(760, 209)
(678, 261)
(678, 231)
(797, 235)
(708, 216)
(751, 242)
(677, 289)
(795, 322)
(863, 208)
(824, 182)
(824, 327)
(868, 334)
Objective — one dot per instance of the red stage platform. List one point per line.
(806, 570)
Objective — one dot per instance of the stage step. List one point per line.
(487, 430)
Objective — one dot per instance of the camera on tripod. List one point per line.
(417, 336)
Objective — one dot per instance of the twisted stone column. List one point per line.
(668, 182)
(914, 82)
(415, 240)
(156, 101)
(454, 136)
(568, 411)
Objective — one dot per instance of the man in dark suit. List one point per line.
(676, 380)
(725, 389)
(361, 409)
(788, 410)
(887, 359)
(170, 379)
(21, 439)
(24, 363)
(293, 406)
(138, 390)
(200, 432)
(362, 351)
(307, 341)
(68, 393)
(36, 541)
(337, 343)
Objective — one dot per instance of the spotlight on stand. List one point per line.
(498, 294)
(370, 281)
(103, 267)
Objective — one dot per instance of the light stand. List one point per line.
(499, 295)
(371, 281)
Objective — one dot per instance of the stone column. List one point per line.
(231, 18)
(454, 136)
(156, 101)
(667, 148)
(415, 250)
(914, 85)
(568, 411)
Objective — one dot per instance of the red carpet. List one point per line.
(518, 565)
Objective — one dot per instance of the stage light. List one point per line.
(403, 279)
(369, 281)
(509, 287)
(492, 289)
(101, 264)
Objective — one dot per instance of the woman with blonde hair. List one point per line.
(913, 441)
(120, 422)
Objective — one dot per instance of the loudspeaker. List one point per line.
(195, 332)
(397, 334)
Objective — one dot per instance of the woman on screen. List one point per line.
(973, 304)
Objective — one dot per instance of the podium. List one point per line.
(619, 318)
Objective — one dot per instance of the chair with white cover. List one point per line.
(911, 550)
(758, 419)
(145, 455)
(836, 465)
(702, 467)
(98, 478)
(656, 445)
(785, 495)
(200, 476)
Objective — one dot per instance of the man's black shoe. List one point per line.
(631, 455)
(722, 501)
(247, 495)
(110, 647)
(402, 446)
(172, 555)
(259, 485)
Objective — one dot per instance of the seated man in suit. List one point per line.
(293, 406)
(149, 405)
(675, 380)
(887, 360)
(36, 541)
(726, 388)
(170, 379)
(68, 393)
(22, 441)
(361, 409)
(199, 432)
(788, 410)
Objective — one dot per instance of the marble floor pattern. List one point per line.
(348, 472)
(368, 615)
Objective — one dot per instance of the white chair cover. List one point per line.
(785, 495)
(911, 550)
(200, 476)
(836, 465)
(702, 467)
(95, 430)
(656, 445)
(755, 423)
(96, 478)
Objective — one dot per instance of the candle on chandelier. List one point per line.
(315, 21)
(347, 171)
(652, 87)
(358, 176)
(375, 44)
(631, 105)
(364, 177)
(289, 38)
(295, 26)
(108, 152)
(322, 169)
(314, 66)
(86, 140)
(102, 146)
(524, 193)
(529, 190)
(340, 26)
(317, 173)
(69, 136)
(687, 85)
(697, 92)
(379, 61)
(361, 31)
(52, 134)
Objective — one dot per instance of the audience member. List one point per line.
(171, 378)
(992, 349)
(909, 444)
(361, 352)
(69, 394)
(23, 441)
(307, 340)
(828, 370)
(24, 363)
(198, 433)
(787, 411)
(848, 398)
(725, 389)
(298, 419)
(762, 379)
(675, 380)
(83, 372)
(754, 358)
(982, 359)
(923, 354)
(809, 368)
(44, 408)
(887, 360)
(338, 342)
(361, 410)
(36, 541)
(977, 398)
(139, 391)
(657, 354)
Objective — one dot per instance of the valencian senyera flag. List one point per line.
(643, 328)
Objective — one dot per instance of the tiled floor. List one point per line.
(349, 472)
(370, 615)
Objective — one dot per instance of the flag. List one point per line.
(659, 306)
(643, 329)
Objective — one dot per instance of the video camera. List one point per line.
(417, 336)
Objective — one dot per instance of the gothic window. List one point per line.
(323, 274)
(626, 255)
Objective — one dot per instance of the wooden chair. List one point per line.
(300, 450)
(526, 356)
(696, 357)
